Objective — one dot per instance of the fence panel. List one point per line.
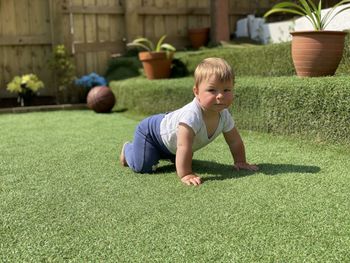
(25, 41)
(181, 22)
(96, 31)
(92, 30)
(173, 18)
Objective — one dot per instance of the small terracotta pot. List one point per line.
(317, 53)
(198, 36)
(157, 65)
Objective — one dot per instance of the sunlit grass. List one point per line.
(65, 198)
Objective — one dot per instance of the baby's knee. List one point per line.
(145, 169)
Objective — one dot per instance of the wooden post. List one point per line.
(132, 25)
(219, 21)
(54, 37)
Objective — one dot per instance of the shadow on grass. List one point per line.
(224, 171)
(119, 110)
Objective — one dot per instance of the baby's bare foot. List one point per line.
(122, 156)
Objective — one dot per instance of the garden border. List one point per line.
(44, 108)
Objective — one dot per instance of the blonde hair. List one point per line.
(216, 67)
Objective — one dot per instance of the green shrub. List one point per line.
(311, 107)
(268, 60)
(122, 68)
(314, 107)
(130, 66)
(272, 60)
(344, 66)
(317, 108)
(147, 97)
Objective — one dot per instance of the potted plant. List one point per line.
(199, 36)
(156, 60)
(318, 52)
(25, 86)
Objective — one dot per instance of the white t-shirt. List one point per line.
(191, 115)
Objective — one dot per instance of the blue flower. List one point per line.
(90, 81)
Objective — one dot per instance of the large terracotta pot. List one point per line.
(157, 65)
(317, 53)
(198, 36)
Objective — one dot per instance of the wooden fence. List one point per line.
(92, 30)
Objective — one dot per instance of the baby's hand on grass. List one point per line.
(191, 179)
(245, 166)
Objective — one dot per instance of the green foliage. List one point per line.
(267, 60)
(24, 84)
(147, 97)
(261, 102)
(308, 9)
(178, 69)
(122, 68)
(271, 60)
(344, 66)
(311, 107)
(127, 67)
(62, 66)
(148, 45)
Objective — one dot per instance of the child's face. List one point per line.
(214, 95)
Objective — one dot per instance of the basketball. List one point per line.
(100, 99)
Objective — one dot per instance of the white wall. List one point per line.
(278, 32)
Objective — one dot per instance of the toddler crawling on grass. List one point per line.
(177, 135)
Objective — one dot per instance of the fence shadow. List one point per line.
(224, 171)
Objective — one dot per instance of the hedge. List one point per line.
(317, 108)
(271, 60)
(253, 60)
(146, 97)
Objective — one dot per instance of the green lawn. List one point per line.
(65, 198)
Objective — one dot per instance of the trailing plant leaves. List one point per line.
(166, 46)
(159, 44)
(308, 9)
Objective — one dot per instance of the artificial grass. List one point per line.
(65, 198)
(315, 108)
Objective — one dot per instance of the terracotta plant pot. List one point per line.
(157, 65)
(317, 53)
(198, 36)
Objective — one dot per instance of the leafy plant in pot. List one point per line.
(318, 52)
(26, 87)
(156, 60)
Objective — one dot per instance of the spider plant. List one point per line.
(148, 45)
(310, 10)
